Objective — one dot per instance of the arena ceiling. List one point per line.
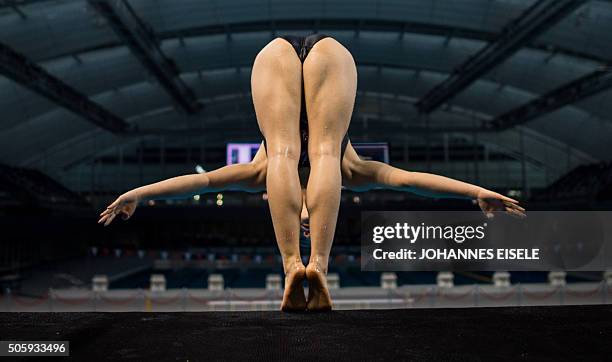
(403, 50)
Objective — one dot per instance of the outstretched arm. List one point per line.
(360, 175)
(245, 177)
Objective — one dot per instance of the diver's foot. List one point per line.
(319, 299)
(293, 297)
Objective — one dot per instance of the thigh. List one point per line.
(276, 86)
(330, 84)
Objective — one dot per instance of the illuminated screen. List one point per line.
(241, 152)
(374, 151)
(244, 152)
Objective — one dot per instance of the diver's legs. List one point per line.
(276, 85)
(330, 82)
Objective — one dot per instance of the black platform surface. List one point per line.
(486, 334)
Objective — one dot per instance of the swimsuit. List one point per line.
(302, 46)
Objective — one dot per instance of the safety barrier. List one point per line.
(414, 296)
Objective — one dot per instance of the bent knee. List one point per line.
(281, 150)
(324, 149)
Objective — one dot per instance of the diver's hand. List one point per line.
(125, 205)
(490, 201)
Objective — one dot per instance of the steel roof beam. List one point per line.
(19, 68)
(569, 93)
(385, 26)
(142, 42)
(535, 20)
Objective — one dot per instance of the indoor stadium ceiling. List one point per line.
(403, 50)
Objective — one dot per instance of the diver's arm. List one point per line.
(373, 174)
(363, 175)
(244, 177)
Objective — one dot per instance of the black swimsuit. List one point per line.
(302, 46)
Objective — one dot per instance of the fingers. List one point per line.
(516, 210)
(108, 215)
(111, 207)
(515, 213)
(510, 211)
(516, 207)
(110, 219)
(513, 205)
(506, 198)
(507, 202)
(107, 211)
(488, 214)
(114, 209)
(486, 209)
(106, 219)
